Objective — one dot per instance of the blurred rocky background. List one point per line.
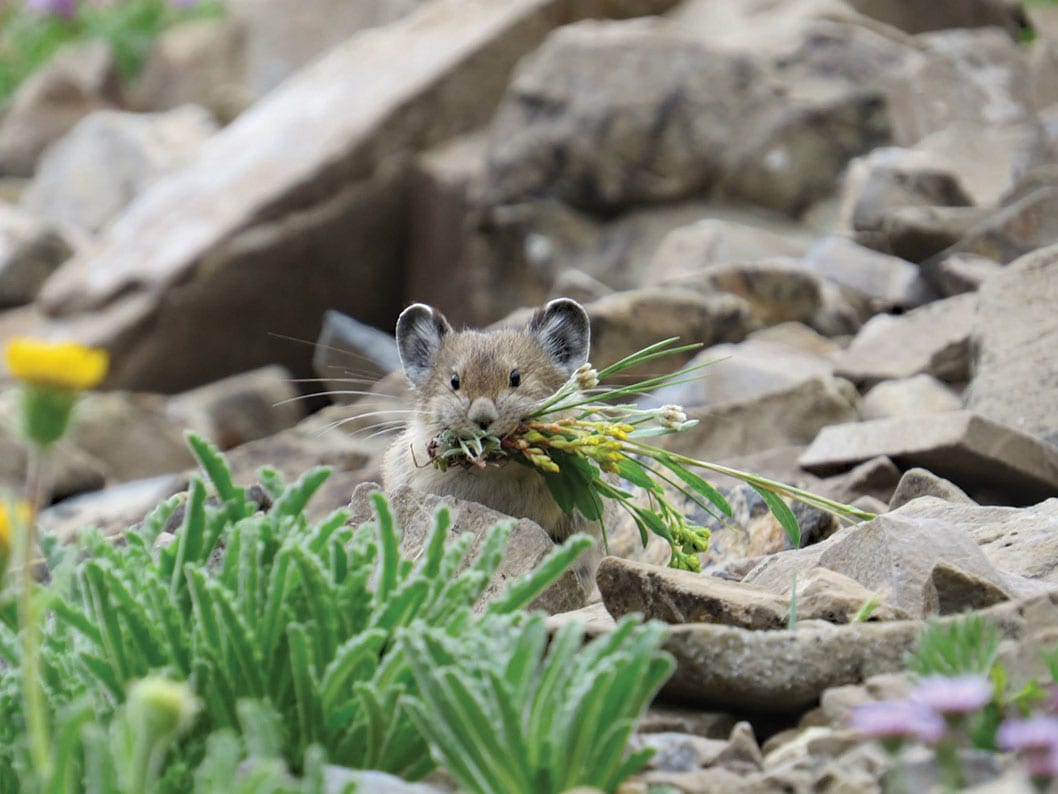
(852, 203)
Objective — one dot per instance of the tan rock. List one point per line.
(919, 394)
(1016, 336)
(77, 80)
(962, 446)
(933, 339)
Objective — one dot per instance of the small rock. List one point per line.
(594, 619)
(131, 435)
(30, 251)
(76, 80)
(917, 233)
(742, 753)
(976, 76)
(745, 371)
(679, 752)
(350, 356)
(240, 408)
(963, 446)
(880, 281)
(958, 591)
(691, 249)
(989, 159)
(1020, 541)
(528, 545)
(892, 555)
(918, 482)
(827, 595)
(111, 510)
(1021, 228)
(109, 158)
(679, 597)
(625, 322)
(198, 62)
(955, 272)
(914, 396)
(891, 179)
(578, 285)
(791, 416)
(777, 290)
(319, 440)
(793, 159)
(662, 718)
(876, 478)
(780, 671)
(933, 339)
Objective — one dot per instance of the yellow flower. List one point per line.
(65, 365)
(11, 519)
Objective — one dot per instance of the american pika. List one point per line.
(490, 380)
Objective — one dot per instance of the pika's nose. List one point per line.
(482, 412)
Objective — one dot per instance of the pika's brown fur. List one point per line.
(491, 380)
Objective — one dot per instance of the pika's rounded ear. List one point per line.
(562, 327)
(420, 329)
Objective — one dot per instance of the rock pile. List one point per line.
(851, 204)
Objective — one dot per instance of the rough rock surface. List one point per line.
(109, 158)
(919, 394)
(973, 452)
(1016, 338)
(933, 339)
(30, 251)
(80, 79)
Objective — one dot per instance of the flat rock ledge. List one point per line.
(725, 667)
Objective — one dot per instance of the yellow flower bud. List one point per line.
(65, 365)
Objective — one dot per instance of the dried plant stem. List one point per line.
(33, 693)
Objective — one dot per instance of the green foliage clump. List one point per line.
(28, 38)
(312, 630)
(964, 646)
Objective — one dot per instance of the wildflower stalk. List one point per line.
(33, 693)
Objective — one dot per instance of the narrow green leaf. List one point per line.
(783, 514)
(524, 589)
(355, 660)
(293, 500)
(634, 472)
(699, 485)
(216, 469)
(389, 542)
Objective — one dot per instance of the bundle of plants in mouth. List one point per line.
(589, 446)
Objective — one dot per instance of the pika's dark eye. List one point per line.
(516, 378)
(455, 382)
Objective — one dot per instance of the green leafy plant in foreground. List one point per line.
(499, 719)
(307, 625)
(580, 440)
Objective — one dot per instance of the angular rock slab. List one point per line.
(1016, 336)
(970, 450)
(933, 339)
(298, 206)
(679, 597)
(774, 671)
(894, 555)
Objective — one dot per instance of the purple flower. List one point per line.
(1036, 738)
(953, 695)
(60, 8)
(897, 719)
